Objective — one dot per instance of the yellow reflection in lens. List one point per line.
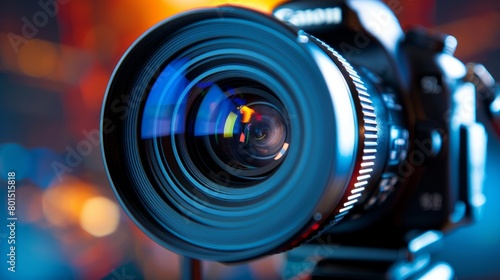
(229, 126)
(246, 114)
(100, 216)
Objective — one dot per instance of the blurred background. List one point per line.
(55, 63)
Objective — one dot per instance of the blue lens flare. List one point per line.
(165, 111)
(158, 118)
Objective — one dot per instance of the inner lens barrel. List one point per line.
(228, 135)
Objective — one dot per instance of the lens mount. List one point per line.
(228, 135)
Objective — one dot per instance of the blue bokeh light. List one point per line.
(44, 174)
(14, 157)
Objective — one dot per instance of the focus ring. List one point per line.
(363, 171)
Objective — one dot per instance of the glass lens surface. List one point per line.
(220, 126)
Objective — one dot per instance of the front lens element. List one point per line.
(223, 124)
(216, 119)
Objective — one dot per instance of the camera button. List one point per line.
(428, 140)
(399, 143)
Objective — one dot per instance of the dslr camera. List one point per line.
(229, 134)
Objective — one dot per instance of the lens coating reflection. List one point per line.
(222, 123)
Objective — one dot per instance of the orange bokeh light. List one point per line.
(38, 58)
(63, 203)
(99, 216)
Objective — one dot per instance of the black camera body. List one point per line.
(435, 163)
(245, 134)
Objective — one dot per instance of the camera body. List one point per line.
(246, 134)
(434, 170)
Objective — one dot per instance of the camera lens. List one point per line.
(228, 135)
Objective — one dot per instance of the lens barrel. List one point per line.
(228, 135)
